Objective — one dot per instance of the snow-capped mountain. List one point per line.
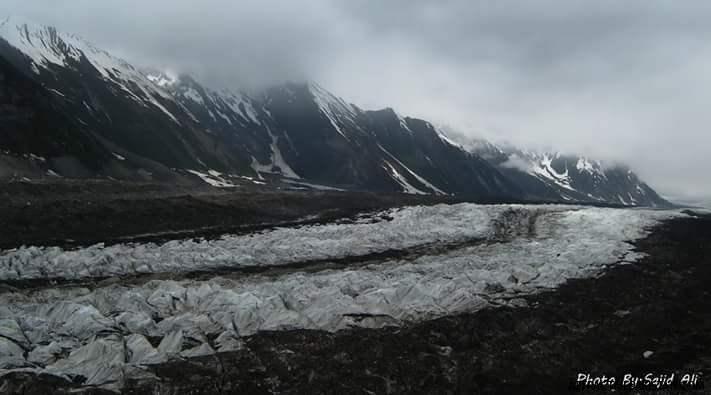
(132, 123)
(553, 175)
(68, 108)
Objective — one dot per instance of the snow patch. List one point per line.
(317, 187)
(163, 80)
(406, 186)
(276, 161)
(334, 108)
(213, 178)
(412, 173)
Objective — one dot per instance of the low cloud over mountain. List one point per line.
(616, 81)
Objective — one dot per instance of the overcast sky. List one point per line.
(618, 80)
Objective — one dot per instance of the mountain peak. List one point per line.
(574, 177)
(19, 21)
(47, 47)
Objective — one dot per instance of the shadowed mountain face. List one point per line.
(34, 128)
(69, 108)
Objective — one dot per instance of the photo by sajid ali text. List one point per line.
(690, 381)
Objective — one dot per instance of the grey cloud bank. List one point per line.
(617, 80)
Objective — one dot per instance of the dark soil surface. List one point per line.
(601, 326)
(79, 213)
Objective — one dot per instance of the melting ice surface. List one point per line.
(409, 227)
(103, 333)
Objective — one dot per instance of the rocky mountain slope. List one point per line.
(573, 178)
(88, 113)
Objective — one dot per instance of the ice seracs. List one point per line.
(494, 252)
(409, 227)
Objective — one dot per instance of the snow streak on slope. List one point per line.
(406, 186)
(276, 161)
(102, 334)
(214, 178)
(402, 122)
(592, 167)
(334, 108)
(421, 180)
(541, 167)
(447, 140)
(535, 164)
(241, 104)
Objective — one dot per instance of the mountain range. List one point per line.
(70, 109)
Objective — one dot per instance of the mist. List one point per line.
(620, 81)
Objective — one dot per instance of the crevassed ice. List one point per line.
(102, 334)
(410, 227)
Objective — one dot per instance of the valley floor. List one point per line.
(434, 298)
(82, 212)
(71, 213)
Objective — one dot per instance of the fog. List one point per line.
(621, 81)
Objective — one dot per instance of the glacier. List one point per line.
(408, 228)
(101, 330)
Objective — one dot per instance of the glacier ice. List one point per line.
(102, 333)
(410, 227)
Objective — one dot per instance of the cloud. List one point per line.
(613, 80)
(516, 162)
